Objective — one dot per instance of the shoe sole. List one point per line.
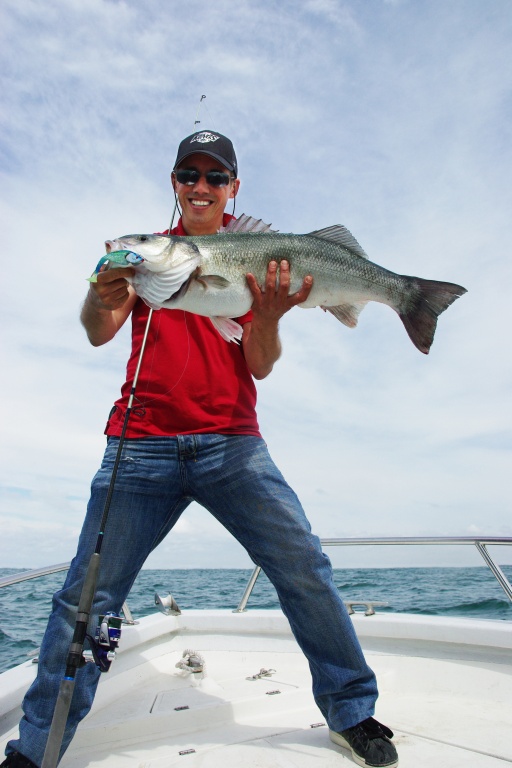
(337, 738)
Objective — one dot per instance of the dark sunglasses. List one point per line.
(213, 178)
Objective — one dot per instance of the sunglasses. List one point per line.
(213, 178)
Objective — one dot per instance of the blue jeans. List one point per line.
(236, 480)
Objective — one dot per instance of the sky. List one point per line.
(391, 117)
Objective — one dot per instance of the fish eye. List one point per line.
(142, 238)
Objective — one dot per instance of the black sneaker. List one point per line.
(370, 743)
(17, 760)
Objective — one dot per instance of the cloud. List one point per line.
(391, 118)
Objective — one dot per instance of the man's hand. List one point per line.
(111, 290)
(107, 305)
(270, 303)
(260, 339)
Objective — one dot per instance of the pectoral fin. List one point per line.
(155, 288)
(213, 281)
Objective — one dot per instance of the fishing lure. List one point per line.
(120, 258)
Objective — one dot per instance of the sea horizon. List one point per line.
(467, 591)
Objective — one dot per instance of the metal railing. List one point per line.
(479, 542)
(16, 578)
(36, 573)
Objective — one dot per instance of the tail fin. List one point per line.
(430, 298)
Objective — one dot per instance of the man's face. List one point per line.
(202, 204)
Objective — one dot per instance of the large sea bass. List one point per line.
(206, 275)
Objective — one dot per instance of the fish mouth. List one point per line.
(110, 245)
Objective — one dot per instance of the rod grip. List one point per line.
(59, 720)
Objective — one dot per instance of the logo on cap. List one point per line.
(205, 137)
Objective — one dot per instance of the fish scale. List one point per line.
(241, 253)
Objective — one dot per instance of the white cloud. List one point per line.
(391, 118)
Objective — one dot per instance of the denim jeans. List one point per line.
(236, 480)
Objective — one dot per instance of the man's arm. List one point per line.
(260, 339)
(107, 305)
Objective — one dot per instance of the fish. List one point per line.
(206, 275)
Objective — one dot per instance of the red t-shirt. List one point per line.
(190, 380)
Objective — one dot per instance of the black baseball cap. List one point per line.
(209, 143)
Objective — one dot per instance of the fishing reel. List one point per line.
(106, 640)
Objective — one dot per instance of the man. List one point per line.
(193, 434)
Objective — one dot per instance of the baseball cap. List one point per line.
(209, 143)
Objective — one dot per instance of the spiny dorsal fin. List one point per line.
(341, 236)
(246, 224)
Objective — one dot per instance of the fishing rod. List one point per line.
(107, 634)
(196, 122)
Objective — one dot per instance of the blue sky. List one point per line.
(392, 118)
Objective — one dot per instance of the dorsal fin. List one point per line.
(341, 236)
(246, 224)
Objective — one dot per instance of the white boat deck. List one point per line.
(445, 690)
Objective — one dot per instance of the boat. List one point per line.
(230, 688)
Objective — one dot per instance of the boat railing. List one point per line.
(480, 543)
(36, 573)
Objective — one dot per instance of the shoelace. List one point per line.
(373, 729)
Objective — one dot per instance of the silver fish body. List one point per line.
(206, 275)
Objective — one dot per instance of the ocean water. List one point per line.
(471, 592)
